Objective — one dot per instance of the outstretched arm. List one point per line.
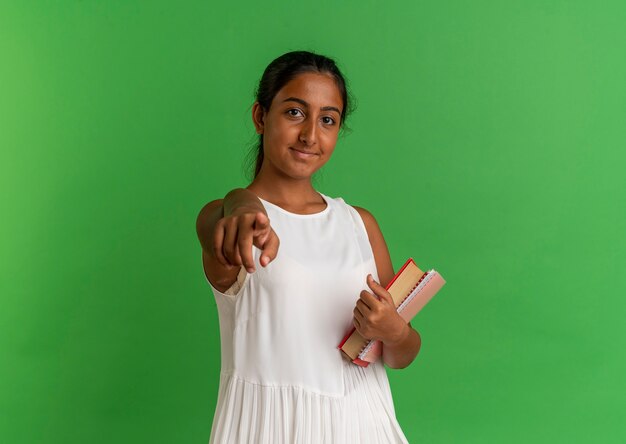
(227, 229)
(401, 343)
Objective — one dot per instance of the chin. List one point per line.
(300, 174)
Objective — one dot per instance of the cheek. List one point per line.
(330, 141)
(273, 137)
(280, 133)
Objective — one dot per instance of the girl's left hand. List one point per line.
(377, 318)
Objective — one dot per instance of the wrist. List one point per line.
(241, 200)
(399, 338)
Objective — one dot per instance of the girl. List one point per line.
(292, 270)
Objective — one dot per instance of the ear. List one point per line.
(258, 117)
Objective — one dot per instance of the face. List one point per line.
(300, 128)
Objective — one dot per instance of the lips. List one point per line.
(302, 154)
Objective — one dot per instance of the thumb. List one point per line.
(379, 290)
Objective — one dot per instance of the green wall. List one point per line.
(488, 141)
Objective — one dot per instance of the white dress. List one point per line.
(283, 379)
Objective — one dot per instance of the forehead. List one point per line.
(315, 88)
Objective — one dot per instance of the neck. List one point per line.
(283, 189)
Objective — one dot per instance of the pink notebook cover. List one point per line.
(432, 283)
(428, 286)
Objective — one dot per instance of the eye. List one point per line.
(294, 112)
(328, 120)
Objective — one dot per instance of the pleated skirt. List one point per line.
(248, 412)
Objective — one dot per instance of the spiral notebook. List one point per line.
(410, 289)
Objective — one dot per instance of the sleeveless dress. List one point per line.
(283, 379)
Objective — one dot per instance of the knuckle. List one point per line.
(246, 220)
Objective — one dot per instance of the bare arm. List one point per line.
(227, 228)
(400, 346)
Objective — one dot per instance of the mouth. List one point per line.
(302, 154)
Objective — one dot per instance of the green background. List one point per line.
(488, 142)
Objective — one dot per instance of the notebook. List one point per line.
(410, 289)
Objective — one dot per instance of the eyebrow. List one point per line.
(302, 102)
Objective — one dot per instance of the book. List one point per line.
(410, 289)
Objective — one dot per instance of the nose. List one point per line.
(308, 132)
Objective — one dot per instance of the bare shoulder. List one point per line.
(378, 244)
(368, 218)
(371, 225)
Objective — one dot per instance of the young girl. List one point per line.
(292, 270)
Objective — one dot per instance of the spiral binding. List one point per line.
(425, 277)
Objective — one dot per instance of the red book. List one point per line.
(410, 289)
